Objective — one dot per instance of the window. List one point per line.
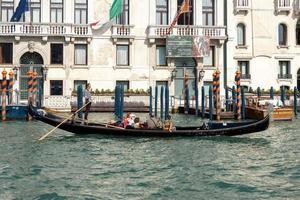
(81, 12)
(244, 69)
(298, 33)
(6, 53)
(208, 12)
(282, 35)
(7, 10)
(80, 54)
(284, 69)
(56, 87)
(124, 17)
(209, 61)
(124, 84)
(185, 18)
(35, 10)
(56, 11)
(162, 12)
(241, 35)
(79, 82)
(57, 53)
(161, 59)
(123, 55)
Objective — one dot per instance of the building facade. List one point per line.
(54, 38)
(264, 43)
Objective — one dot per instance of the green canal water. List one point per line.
(263, 165)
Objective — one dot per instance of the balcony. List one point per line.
(285, 76)
(122, 31)
(44, 30)
(245, 76)
(283, 6)
(161, 31)
(241, 6)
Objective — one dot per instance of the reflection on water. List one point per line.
(66, 166)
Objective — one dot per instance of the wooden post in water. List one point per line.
(272, 93)
(150, 100)
(233, 100)
(10, 86)
(282, 94)
(187, 101)
(196, 99)
(30, 89)
(79, 99)
(156, 101)
(202, 102)
(162, 102)
(227, 99)
(238, 94)
(121, 102)
(295, 100)
(167, 102)
(34, 87)
(210, 103)
(214, 90)
(218, 98)
(4, 87)
(243, 103)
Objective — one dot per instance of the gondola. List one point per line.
(207, 129)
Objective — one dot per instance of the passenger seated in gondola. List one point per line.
(168, 126)
(153, 123)
(137, 123)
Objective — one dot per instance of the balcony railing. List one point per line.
(242, 5)
(245, 76)
(285, 76)
(122, 31)
(29, 29)
(283, 5)
(161, 31)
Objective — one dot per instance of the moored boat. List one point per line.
(207, 129)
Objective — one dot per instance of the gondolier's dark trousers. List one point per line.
(87, 108)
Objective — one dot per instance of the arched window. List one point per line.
(298, 33)
(241, 35)
(282, 35)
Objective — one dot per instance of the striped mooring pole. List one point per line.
(10, 87)
(218, 98)
(214, 90)
(210, 103)
(4, 87)
(238, 94)
(34, 87)
(30, 84)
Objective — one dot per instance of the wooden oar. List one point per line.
(44, 136)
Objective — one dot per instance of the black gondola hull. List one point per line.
(229, 129)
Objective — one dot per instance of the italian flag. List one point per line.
(115, 10)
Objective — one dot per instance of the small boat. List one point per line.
(207, 129)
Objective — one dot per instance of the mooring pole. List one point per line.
(162, 102)
(30, 89)
(4, 86)
(272, 93)
(10, 87)
(121, 102)
(196, 99)
(218, 98)
(210, 103)
(238, 94)
(156, 101)
(233, 100)
(150, 100)
(187, 101)
(34, 87)
(79, 99)
(243, 103)
(227, 99)
(295, 100)
(167, 103)
(282, 94)
(202, 102)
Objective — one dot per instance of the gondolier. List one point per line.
(88, 98)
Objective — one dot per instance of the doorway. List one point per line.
(185, 66)
(35, 62)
